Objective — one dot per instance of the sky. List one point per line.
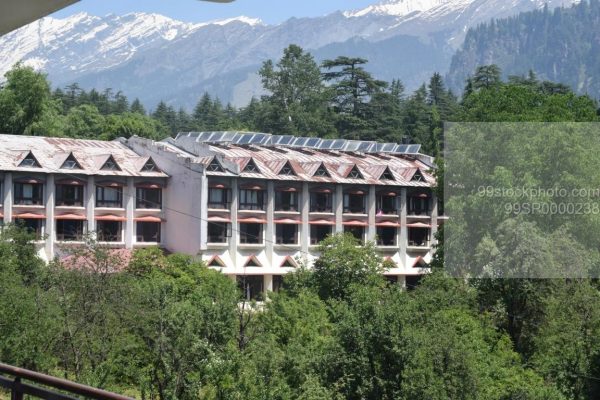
(270, 11)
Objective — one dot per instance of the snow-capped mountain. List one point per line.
(154, 57)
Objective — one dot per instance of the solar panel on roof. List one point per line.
(351, 145)
(228, 137)
(283, 140)
(313, 142)
(414, 149)
(326, 144)
(215, 137)
(365, 146)
(401, 149)
(259, 138)
(338, 144)
(300, 142)
(244, 139)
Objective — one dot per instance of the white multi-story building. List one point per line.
(253, 206)
(62, 189)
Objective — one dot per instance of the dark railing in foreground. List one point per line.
(68, 390)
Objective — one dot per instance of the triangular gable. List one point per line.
(417, 176)
(71, 163)
(216, 262)
(355, 173)
(150, 166)
(387, 175)
(30, 161)
(289, 262)
(287, 170)
(110, 165)
(252, 261)
(322, 171)
(215, 166)
(420, 263)
(251, 167)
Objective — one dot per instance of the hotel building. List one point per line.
(254, 206)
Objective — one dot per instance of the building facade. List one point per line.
(254, 206)
(64, 189)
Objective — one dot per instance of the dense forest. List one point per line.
(166, 327)
(561, 45)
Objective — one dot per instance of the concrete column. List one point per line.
(129, 199)
(8, 197)
(233, 240)
(270, 228)
(305, 227)
(434, 218)
(203, 222)
(339, 208)
(403, 239)
(50, 228)
(268, 283)
(90, 203)
(371, 211)
(402, 281)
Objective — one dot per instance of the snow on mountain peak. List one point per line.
(398, 8)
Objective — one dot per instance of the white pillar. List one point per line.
(339, 208)
(203, 222)
(305, 227)
(403, 240)
(90, 204)
(50, 222)
(270, 234)
(371, 211)
(8, 197)
(129, 198)
(268, 283)
(233, 240)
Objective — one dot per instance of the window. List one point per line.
(286, 234)
(357, 231)
(318, 233)
(148, 232)
(251, 233)
(386, 236)
(278, 283)
(355, 173)
(149, 198)
(252, 199)
(29, 194)
(287, 170)
(215, 166)
(69, 195)
(218, 198)
(286, 201)
(321, 202)
(387, 175)
(216, 262)
(418, 176)
(110, 165)
(150, 166)
(440, 203)
(71, 163)
(30, 161)
(218, 232)
(386, 204)
(289, 262)
(354, 203)
(418, 237)
(108, 196)
(33, 226)
(322, 171)
(391, 279)
(251, 287)
(418, 205)
(251, 167)
(252, 262)
(69, 230)
(109, 231)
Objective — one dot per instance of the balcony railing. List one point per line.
(48, 387)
